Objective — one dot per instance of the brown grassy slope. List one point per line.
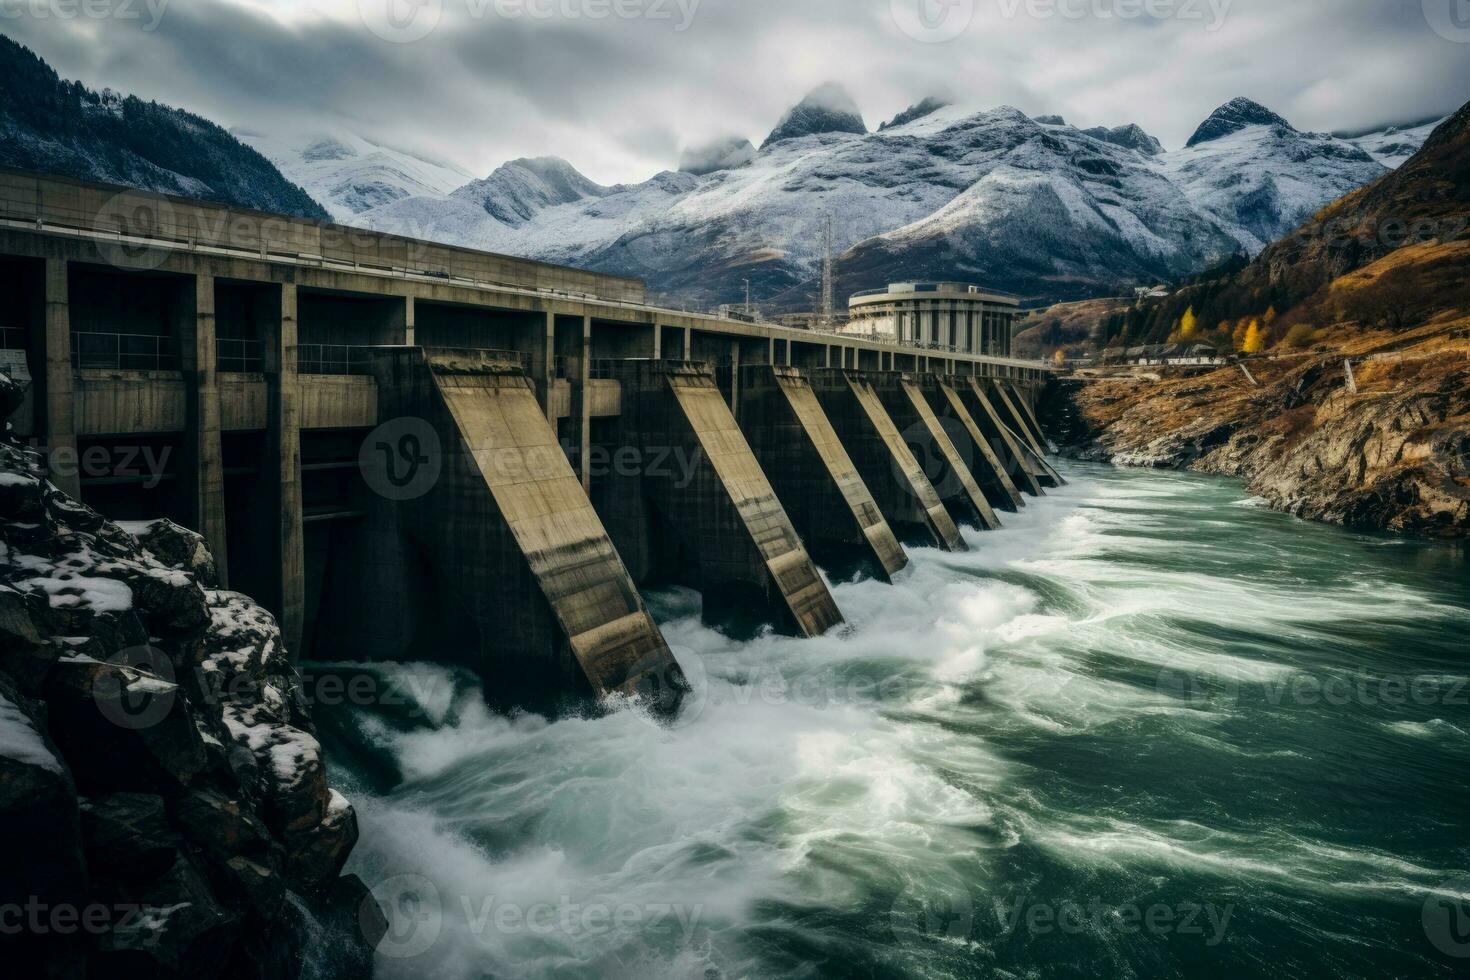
(1394, 455)
(1064, 325)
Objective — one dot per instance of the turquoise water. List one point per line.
(1149, 729)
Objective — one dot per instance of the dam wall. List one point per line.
(281, 386)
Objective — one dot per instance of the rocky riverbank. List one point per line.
(163, 801)
(1387, 450)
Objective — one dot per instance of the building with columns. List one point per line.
(946, 316)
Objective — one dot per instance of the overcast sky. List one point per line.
(619, 86)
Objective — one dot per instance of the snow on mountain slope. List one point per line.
(1263, 180)
(350, 175)
(1046, 210)
(521, 189)
(1393, 146)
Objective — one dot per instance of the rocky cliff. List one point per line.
(1387, 450)
(164, 803)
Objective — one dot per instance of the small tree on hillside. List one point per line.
(1255, 340)
(1188, 324)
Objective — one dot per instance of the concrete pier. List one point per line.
(720, 526)
(813, 474)
(1015, 457)
(947, 468)
(1015, 420)
(887, 466)
(987, 468)
(503, 534)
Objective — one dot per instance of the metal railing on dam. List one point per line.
(550, 441)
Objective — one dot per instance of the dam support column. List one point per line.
(814, 477)
(712, 517)
(987, 468)
(204, 470)
(1012, 418)
(282, 463)
(887, 466)
(582, 406)
(1002, 440)
(511, 571)
(61, 438)
(946, 467)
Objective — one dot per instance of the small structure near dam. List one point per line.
(412, 451)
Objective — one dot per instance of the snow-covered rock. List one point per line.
(1130, 137)
(1393, 146)
(155, 743)
(1232, 117)
(916, 111)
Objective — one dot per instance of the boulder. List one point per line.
(125, 728)
(178, 548)
(128, 835)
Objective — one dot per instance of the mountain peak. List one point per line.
(827, 109)
(521, 188)
(914, 112)
(1234, 116)
(727, 153)
(1130, 137)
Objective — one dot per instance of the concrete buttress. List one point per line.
(946, 467)
(719, 525)
(888, 467)
(814, 476)
(507, 531)
(1006, 444)
(1011, 416)
(985, 465)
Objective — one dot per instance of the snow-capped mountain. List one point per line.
(1045, 209)
(1259, 177)
(1393, 146)
(828, 109)
(349, 175)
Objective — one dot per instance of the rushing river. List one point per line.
(1149, 729)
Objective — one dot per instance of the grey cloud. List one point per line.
(618, 98)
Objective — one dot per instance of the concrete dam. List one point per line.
(410, 451)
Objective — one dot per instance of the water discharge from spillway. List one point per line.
(1148, 729)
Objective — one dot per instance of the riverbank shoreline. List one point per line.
(1383, 445)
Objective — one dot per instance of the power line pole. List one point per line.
(828, 287)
